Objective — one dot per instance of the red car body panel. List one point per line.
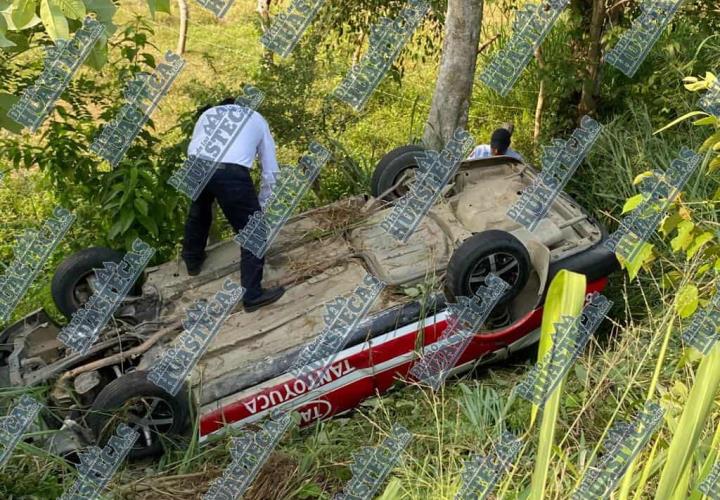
(357, 373)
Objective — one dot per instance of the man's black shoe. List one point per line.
(266, 297)
(194, 268)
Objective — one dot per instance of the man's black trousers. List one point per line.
(233, 188)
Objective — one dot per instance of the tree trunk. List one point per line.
(453, 88)
(591, 80)
(263, 10)
(182, 37)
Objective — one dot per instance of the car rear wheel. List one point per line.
(154, 413)
(493, 251)
(396, 166)
(74, 280)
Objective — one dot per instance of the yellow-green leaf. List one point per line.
(684, 237)
(710, 141)
(643, 256)
(54, 21)
(692, 422)
(641, 177)
(670, 223)
(702, 270)
(708, 120)
(73, 9)
(698, 242)
(158, 6)
(714, 165)
(695, 87)
(632, 203)
(680, 120)
(565, 297)
(23, 13)
(687, 301)
(4, 42)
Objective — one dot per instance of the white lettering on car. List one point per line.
(284, 393)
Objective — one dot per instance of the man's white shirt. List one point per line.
(253, 141)
(484, 151)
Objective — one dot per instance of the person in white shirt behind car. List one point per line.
(232, 186)
(499, 146)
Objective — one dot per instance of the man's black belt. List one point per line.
(222, 166)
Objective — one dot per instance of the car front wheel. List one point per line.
(158, 416)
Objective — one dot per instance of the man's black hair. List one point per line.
(223, 102)
(500, 140)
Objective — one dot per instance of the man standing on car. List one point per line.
(499, 145)
(233, 188)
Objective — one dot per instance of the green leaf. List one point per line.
(73, 9)
(4, 42)
(6, 102)
(696, 410)
(708, 120)
(411, 291)
(23, 14)
(158, 6)
(641, 177)
(684, 237)
(54, 21)
(710, 142)
(643, 256)
(114, 230)
(149, 224)
(670, 223)
(698, 243)
(99, 54)
(565, 297)
(141, 206)
(632, 203)
(105, 12)
(127, 217)
(680, 120)
(687, 301)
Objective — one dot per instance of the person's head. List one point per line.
(223, 102)
(500, 141)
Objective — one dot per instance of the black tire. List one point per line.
(483, 253)
(70, 288)
(388, 170)
(130, 395)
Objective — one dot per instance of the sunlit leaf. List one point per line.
(642, 257)
(698, 242)
(710, 141)
(708, 120)
(73, 9)
(566, 296)
(632, 203)
(99, 54)
(714, 165)
(4, 42)
(105, 12)
(684, 237)
(687, 301)
(670, 223)
(54, 21)
(691, 425)
(641, 177)
(158, 6)
(680, 120)
(23, 14)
